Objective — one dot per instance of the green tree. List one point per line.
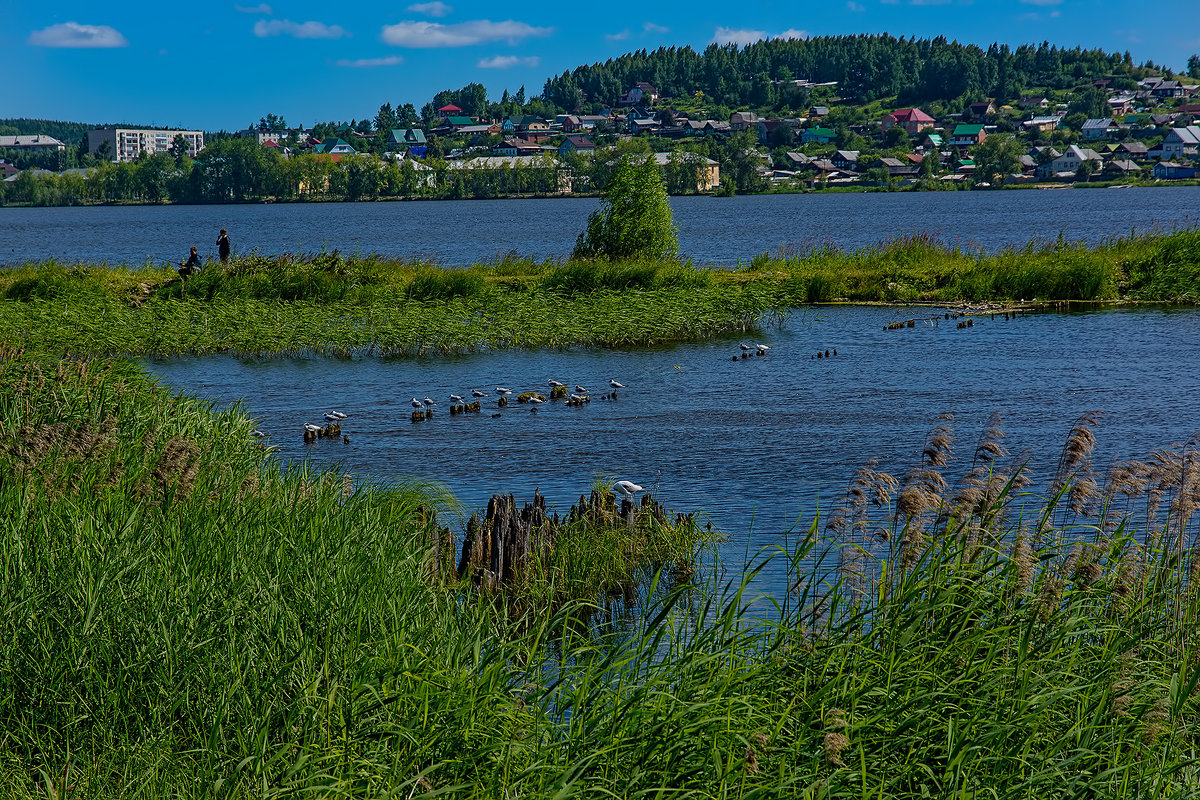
(1193, 66)
(998, 155)
(634, 218)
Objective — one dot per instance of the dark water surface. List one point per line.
(754, 444)
(711, 230)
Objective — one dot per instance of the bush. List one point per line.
(634, 218)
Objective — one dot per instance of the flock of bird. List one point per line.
(746, 348)
(581, 393)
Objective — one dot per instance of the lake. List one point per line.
(717, 231)
(756, 444)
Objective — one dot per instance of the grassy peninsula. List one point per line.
(339, 305)
(181, 618)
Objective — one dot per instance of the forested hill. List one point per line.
(865, 67)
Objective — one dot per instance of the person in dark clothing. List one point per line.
(191, 266)
(223, 246)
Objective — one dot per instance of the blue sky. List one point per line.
(224, 65)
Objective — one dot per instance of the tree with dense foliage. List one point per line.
(998, 155)
(634, 218)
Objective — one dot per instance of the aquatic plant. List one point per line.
(183, 618)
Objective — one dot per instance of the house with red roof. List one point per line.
(449, 111)
(913, 120)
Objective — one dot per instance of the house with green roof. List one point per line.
(823, 135)
(411, 138)
(967, 135)
(334, 146)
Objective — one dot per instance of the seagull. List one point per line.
(308, 426)
(429, 402)
(536, 400)
(335, 416)
(628, 488)
(456, 398)
(257, 433)
(579, 397)
(477, 393)
(746, 347)
(417, 403)
(555, 383)
(502, 390)
(613, 383)
(762, 348)
(580, 389)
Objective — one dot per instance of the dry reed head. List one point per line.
(1075, 459)
(835, 741)
(937, 450)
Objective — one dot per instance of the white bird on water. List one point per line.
(429, 401)
(336, 416)
(580, 389)
(417, 403)
(762, 348)
(502, 390)
(536, 400)
(555, 383)
(628, 488)
(477, 393)
(613, 383)
(456, 397)
(308, 426)
(746, 347)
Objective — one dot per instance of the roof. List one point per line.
(449, 109)
(408, 135)
(30, 140)
(1099, 123)
(847, 155)
(967, 130)
(826, 132)
(911, 115)
(459, 121)
(580, 142)
(1188, 135)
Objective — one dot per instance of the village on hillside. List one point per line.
(1145, 134)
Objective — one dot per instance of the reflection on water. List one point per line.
(758, 444)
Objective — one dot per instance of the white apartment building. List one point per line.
(32, 141)
(126, 144)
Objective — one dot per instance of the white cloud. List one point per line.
(434, 9)
(504, 62)
(1041, 2)
(793, 33)
(72, 34)
(857, 8)
(300, 30)
(261, 8)
(411, 33)
(617, 37)
(386, 61)
(650, 27)
(724, 35)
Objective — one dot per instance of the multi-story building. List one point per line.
(33, 141)
(126, 144)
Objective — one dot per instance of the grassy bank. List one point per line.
(328, 303)
(182, 619)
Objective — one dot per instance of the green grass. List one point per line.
(181, 618)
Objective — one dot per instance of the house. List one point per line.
(982, 109)
(334, 147)
(449, 110)
(1098, 128)
(897, 168)
(967, 135)
(823, 135)
(1033, 101)
(845, 159)
(1169, 170)
(1069, 162)
(411, 138)
(576, 144)
(742, 120)
(1133, 151)
(766, 127)
(1120, 104)
(1181, 143)
(819, 111)
(640, 93)
(797, 159)
(517, 147)
(1119, 168)
(912, 120)
(933, 142)
(708, 172)
(1041, 124)
(584, 122)
(457, 122)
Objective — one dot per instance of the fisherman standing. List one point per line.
(223, 246)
